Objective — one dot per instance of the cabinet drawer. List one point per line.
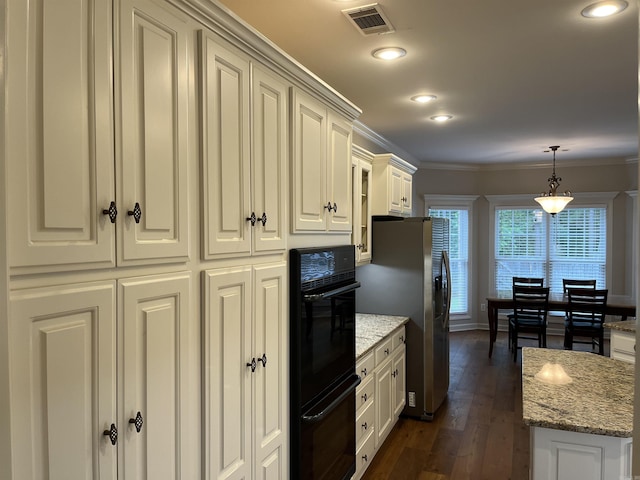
(384, 350)
(364, 423)
(398, 338)
(364, 455)
(623, 342)
(365, 366)
(364, 394)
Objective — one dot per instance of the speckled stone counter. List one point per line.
(628, 326)
(598, 401)
(370, 329)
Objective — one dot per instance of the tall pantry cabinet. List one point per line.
(101, 384)
(146, 170)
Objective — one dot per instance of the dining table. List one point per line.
(617, 305)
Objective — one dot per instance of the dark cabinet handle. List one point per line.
(112, 211)
(386, 351)
(137, 421)
(263, 359)
(364, 397)
(252, 218)
(136, 213)
(365, 426)
(328, 206)
(263, 219)
(364, 372)
(394, 373)
(112, 433)
(253, 364)
(335, 207)
(365, 458)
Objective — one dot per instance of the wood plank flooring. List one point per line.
(478, 433)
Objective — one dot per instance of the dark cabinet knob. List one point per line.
(252, 218)
(263, 359)
(365, 458)
(364, 397)
(364, 372)
(253, 364)
(335, 207)
(136, 213)
(112, 211)
(328, 206)
(263, 219)
(365, 426)
(112, 433)
(137, 422)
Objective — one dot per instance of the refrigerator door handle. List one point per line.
(445, 264)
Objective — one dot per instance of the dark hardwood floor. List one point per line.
(478, 433)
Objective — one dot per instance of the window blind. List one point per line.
(458, 255)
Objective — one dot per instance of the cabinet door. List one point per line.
(227, 377)
(59, 139)
(269, 160)
(154, 320)
(63, 382)
(308, 175)
(396, 185)
(383, 401)
(270, 400)
(225, 148)
(407, 181)
(364, 226)
(152, 133)
(399, 381)
(339, 173)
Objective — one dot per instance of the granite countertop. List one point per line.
(628, 326)
(599, 400)
(371, 328)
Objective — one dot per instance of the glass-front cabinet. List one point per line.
(362, 187)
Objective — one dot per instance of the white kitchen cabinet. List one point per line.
(321, 167)
(81, 147)
(623, 345)
(245, 347)
(85, 362)
(243, 165)
(392, 186)
(362, 198)
(565, 455)
(380, 396)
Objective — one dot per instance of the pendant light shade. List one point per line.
(552, 202)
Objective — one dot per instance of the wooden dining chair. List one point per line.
(585, 317)
(530, 308)
(522, 282)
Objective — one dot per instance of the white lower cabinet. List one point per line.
(564, 455)
(99, 380)
(380, 398)
(245, 373)
(623, 346)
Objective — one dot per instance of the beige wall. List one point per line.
(613, 176)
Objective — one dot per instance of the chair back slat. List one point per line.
(569, 283)
(530, 302)
(528, 282)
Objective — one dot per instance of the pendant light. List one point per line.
(552, 202)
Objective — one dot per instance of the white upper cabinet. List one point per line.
(362, 193)
(392, 186)
(152, 111)
(66, 179)
(243, 163)
(321, 167)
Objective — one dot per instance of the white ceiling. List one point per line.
(517, 76)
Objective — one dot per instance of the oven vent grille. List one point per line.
(329, 280)
(369, 19)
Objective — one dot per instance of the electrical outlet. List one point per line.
(483, 307)
(412, 399)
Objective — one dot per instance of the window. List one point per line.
(531, 243)
(458, 210)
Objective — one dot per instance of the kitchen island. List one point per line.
(623, 340)
(581, 426)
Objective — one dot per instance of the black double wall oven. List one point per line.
(322, 369)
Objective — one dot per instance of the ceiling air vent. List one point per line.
(369, 19)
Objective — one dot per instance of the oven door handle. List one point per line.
(331, 293)
(320, 416)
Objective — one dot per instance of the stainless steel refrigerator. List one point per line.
(409, 275)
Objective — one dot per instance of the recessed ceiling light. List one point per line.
(423, 98)
(441, 118)
(604, 9)
(389, 53)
